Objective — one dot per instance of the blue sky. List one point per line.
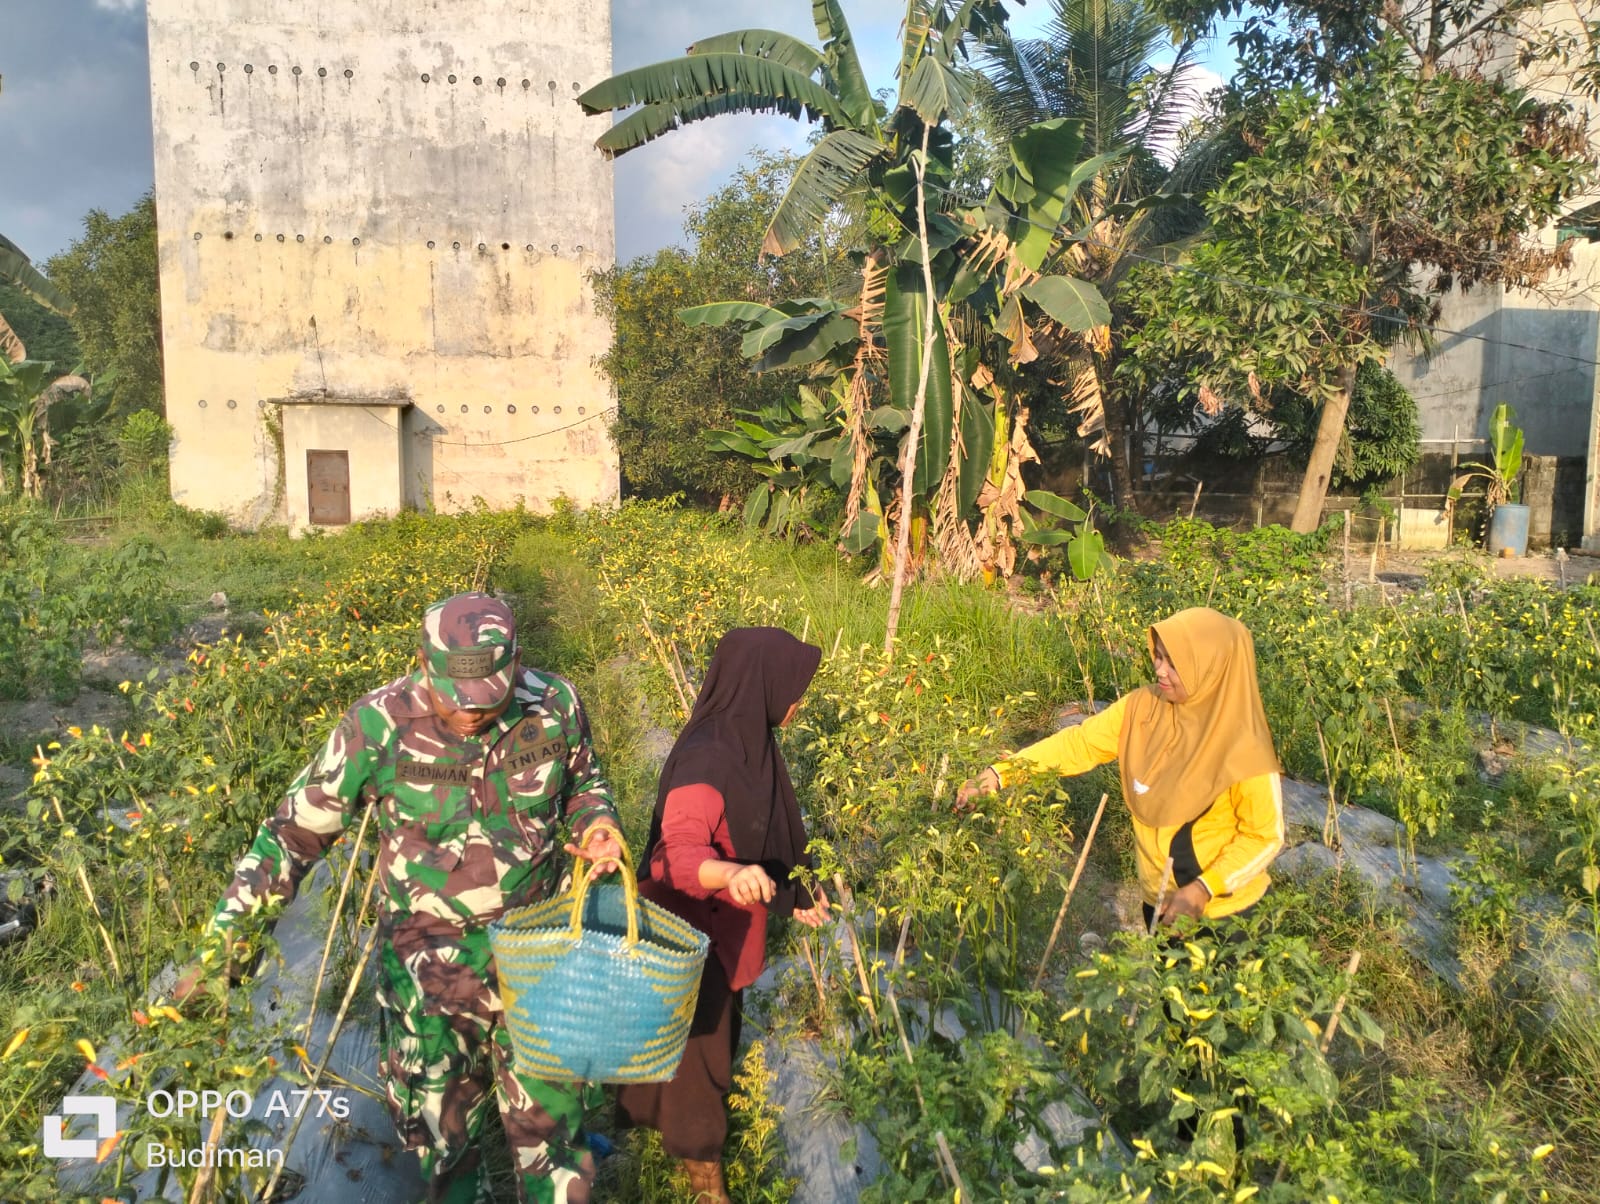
(75, 109)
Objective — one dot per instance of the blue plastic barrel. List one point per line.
(1508, 529)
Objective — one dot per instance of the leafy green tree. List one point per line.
(1383, 430)
(112, 278)
(1361, 211)
(674, 382)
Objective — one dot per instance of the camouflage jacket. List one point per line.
(467, 825)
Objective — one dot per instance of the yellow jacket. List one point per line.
(1234, 840)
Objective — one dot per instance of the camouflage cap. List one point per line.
(469, 644)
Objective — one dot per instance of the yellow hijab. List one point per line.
(1177, 758)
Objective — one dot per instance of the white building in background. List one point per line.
(377, 219)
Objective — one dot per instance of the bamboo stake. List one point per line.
(816, 975)
(900, 945)
(1348, 600)
(837, 640)
(1330, 823)
(1161, 896)
(1194, 502)
(1400, 764)
(1083, 859)
(847, 907)
(338, 910)
(1338, 1007)
(1327, 1037)
(208, 1171)
(894, 1009)
(661, 653)
(327, 1056)
(99, 921)
(682, 672)
(950, 1167)
(938, 782)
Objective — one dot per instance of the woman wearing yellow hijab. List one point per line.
(1198, 770)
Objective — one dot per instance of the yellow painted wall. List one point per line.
(356, 230)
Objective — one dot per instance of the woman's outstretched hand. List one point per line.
(987, 782)
(817, 914)
(1188, 900)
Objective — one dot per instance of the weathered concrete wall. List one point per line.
(374, 437)
(384, 198)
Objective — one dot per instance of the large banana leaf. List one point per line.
(1076, 304)
(905, 310)
(16, 269)
(841, 66)
(763, 44)
(692, 82)
(1043, 158)
(720, 313)
(936, 90)
(977, 446)
(834, 164)
(652, 121)
(837, 333)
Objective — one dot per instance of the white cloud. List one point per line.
(655, 183)
(120, 6)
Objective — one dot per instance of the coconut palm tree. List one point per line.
(1110, 65)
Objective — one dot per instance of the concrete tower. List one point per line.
(377, 219)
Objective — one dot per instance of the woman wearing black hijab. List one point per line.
(724, 842)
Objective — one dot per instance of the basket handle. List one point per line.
(583, 873)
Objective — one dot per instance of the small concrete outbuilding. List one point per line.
(377, 222)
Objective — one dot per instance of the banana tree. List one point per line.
(24, 401)
(995, 311)
(950, 288)
(17, 270)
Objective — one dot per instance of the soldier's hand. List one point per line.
(191, 983)
(987, 782)
(602, 849)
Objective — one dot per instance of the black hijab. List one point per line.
(756, 675)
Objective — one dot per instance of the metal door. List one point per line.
(328, 487)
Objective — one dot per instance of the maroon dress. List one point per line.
(688, 1109)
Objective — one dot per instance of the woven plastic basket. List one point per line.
(598, 984)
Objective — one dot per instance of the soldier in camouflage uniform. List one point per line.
(472, 762)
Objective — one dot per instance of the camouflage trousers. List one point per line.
(440, 1072)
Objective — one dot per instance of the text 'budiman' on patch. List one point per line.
(432, 773)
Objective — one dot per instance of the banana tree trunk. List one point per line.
(908, 466)
(1319, 470)
(1119, 430)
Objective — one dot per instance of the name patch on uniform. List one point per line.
(427, 773)
(536, 754)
